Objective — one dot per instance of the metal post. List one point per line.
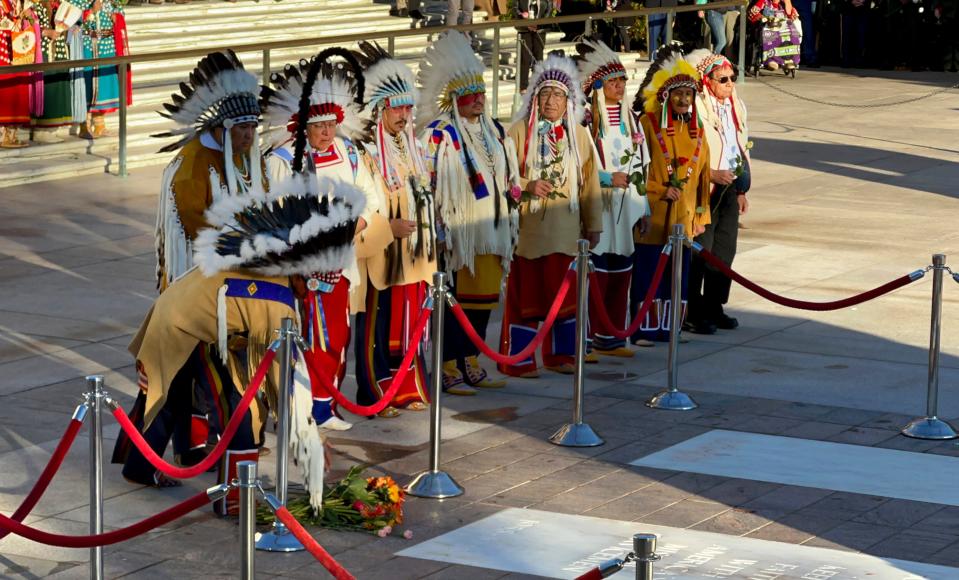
(95, 396)
(670, 15)
(122, 81)
(588, 29)
(931, 426)
(644, 548)
(577, 433)
(517, 64)
(741, 60)
(672, 398)
(649, 40)
(496, 73)
(391, 45)
(266, 67)
(434, 483)
(279, 539)
(247, 482)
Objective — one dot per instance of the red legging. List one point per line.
(530, 290)
(327, 331)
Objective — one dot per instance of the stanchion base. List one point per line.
(576, 435)
(434, 485)
(279, 539)
(929, 428)
(672, 401)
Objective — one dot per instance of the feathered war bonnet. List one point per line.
(449, 70)
(597, 63)
(559, 72)
(335, 95)
(389, 83)
(668, 72)
(219, 93)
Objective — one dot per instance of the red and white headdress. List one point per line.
(337, 95)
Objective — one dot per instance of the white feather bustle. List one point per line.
(285, 103)
(348, 206)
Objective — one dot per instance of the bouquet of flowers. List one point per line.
(368, 504)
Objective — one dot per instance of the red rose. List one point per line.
(682, 160)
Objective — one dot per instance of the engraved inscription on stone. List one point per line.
(566, 546)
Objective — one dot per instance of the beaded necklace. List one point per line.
(669, 158)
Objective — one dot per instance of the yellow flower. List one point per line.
(394, 493)
(749, 144)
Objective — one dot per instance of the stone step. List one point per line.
(239, 31)
(215, 24)
(136, 13)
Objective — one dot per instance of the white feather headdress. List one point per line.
(450, 69)
(597, 63)
(558, 71)
(219, 89)
(337, 94)
(389, 83)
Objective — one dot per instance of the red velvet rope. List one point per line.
(105, 539)
(188, 472)
(387, 398)
(537, 340)
(53, 465)
(593, 574)
(599, 308)
(803, 304)
(312, 546)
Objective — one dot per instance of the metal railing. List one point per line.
(390, 36)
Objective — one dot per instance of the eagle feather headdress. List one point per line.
(449, 70)
(389, 83)
(597, 63)
(670, 71)
(559, 71)
(219, 89)
(336, 94)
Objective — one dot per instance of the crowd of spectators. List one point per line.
(885, 34)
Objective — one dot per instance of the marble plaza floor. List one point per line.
(843, 200)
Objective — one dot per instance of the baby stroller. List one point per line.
(775, 34)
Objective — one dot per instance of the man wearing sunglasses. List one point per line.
(724, 120)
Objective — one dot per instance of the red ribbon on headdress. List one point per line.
(320, 110)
